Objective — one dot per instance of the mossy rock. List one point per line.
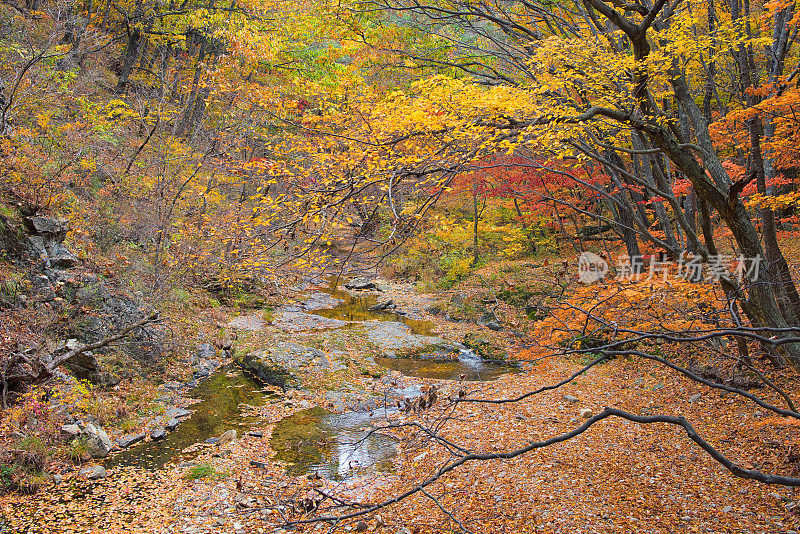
(265, 371)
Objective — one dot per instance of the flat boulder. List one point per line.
(171, 424)
(177, 413)
(96, 441)
(296, 356)
(384, 305)
(320, 301)
(396, 340)
(227, 438)
(253, 322)
(93, 473)
(71, 431)
(129, 439)
(299, 322)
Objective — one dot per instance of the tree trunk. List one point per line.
(476, 219)
(129, 60)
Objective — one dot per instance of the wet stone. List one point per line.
(298, 321)
(129, 439)
(362, 284)
(177, 413)
(320, 301)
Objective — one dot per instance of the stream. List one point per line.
(439, 365)
(357, 308)
(468, 364)
(221, 398)
(337, 446)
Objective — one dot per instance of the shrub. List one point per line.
(204, 471)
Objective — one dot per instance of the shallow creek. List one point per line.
(435, 365)
(337, 446)
(222, 397)
(356, 307)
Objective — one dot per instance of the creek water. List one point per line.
(356, 307)
(337, 446)
(434, 365)
(334, 445)
(222, 397)
(466, 364)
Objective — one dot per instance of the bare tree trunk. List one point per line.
(691, 216)
(777, 266)
(190, 111)
(475, 222)
(131, 51)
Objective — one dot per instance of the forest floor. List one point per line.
(616, 477)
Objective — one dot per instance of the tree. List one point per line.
(581, 82)
(609, 89)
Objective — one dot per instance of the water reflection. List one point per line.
(336, 446)
(356, 307)
(468, 364)
(222, 395)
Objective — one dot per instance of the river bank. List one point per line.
(613, 479)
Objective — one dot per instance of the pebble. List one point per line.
(728, 509)
(570, 398)
(586, 413)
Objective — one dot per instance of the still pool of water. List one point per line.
(337, 446)
(356, 307)
(445, 370)
(221, 398)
